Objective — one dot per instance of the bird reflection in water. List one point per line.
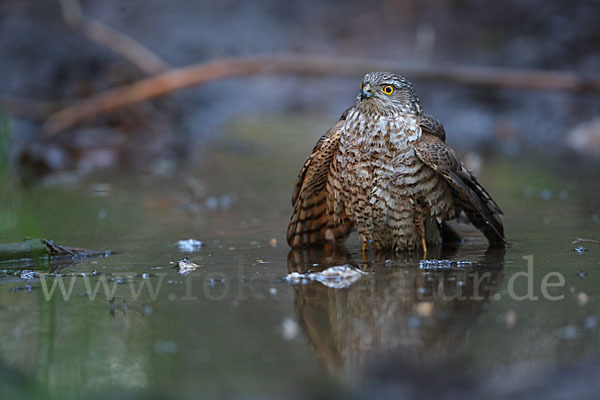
(402, 309)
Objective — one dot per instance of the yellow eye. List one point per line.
(388, 89)
(361, 86)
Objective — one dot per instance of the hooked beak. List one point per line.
(366, 92)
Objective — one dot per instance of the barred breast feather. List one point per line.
(381, 175)
(378, 179)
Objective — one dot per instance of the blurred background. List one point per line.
(48, 62)
(516, 84)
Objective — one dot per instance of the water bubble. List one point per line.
(424, 308)
(165, 346)
(591, 322)
(211, 202)
(190, 245)
(563, 195)
(147, 310)
(289, 328)
(413, 322)
(546, 194)
(102, 214)
(510, 319)
(569, 332)
(583, 298)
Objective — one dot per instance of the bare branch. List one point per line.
(127, 47)
(580, 240)
(201, 73)
(33, 109)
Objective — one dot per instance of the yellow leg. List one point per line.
(424, 245)
(364, 250)
(420, 226)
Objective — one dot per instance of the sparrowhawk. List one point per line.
(386, 170)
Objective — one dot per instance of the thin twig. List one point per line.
(126, 46)
(30, 108)
(580, 240)
(57, 250)
(201, 73)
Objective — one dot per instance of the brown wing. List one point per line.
(468, 194)
(429, 124)
(312, 221)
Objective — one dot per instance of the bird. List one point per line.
(385, 170)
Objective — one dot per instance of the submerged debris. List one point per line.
(185, 266)
(338, 277)
(443, 264)
(111, 306)
(582, 240)
(580, 249)
(26, 288)
(214, 282)
(27, 274)
(189, 246)
(42, 248)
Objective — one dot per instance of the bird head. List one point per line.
(387, 94)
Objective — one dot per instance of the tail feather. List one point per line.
(479, 207)
(311, 223)
(482, 193)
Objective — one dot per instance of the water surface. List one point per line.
(234, 327)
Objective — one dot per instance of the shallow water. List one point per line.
(235, 327)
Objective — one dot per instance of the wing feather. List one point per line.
(430, 124)
(468, 194)
(312, 221)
